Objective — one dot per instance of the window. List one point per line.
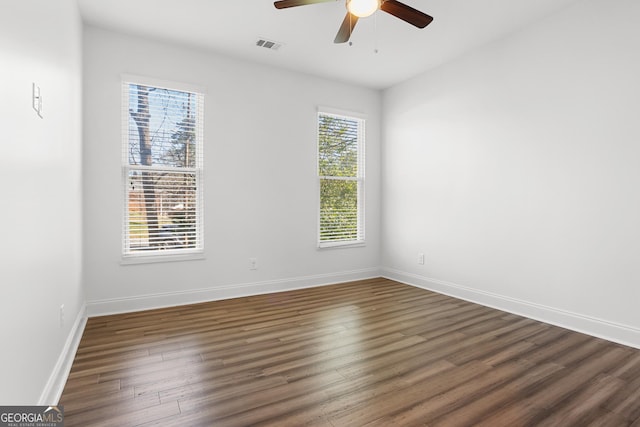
(162, 171)
(341, 179)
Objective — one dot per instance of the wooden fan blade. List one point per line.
(344, 33)
(283, 4)
(406, 13)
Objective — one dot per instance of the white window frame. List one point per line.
(360, 178)
(181, 254)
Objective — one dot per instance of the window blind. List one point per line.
(162, 169)
(341, 176)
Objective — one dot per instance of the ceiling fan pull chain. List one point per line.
(350, 28)
(375, 32)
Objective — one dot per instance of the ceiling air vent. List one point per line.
(268, 44)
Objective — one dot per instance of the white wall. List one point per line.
(260, 177)
(40, 187)
(516, 171)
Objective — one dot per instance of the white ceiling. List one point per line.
(232, 27)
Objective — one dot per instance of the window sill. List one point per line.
(155, 258)
(341, 245)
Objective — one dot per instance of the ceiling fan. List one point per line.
(361, 9)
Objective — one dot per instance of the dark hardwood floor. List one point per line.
(374, 353)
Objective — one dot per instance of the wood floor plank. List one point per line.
(371, 352)
(449, 401)
(100, 414)
(625, 401)
(495, 399)
(608, 419)
(381, 406)
(585, 404)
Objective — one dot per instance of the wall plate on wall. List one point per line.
(37, 99)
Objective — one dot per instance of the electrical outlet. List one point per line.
(421, 258)
(61, 315)
(253, 264)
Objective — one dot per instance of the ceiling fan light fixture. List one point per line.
(362, 8)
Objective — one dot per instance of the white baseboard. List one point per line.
(599, 328)
(171, 299)
(58, 378)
